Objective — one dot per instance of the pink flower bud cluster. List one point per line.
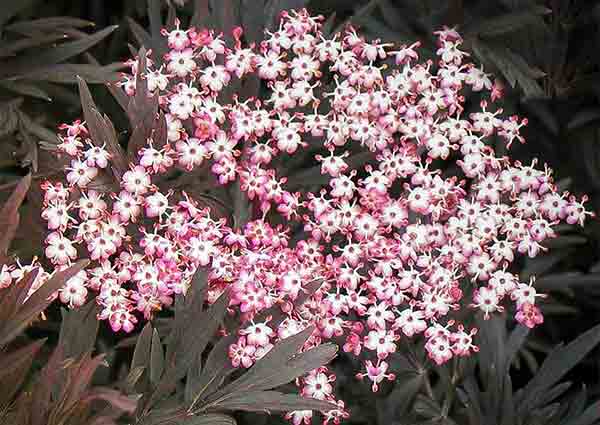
(399, 244)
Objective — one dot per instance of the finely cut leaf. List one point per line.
(544, 113)
(45, 384)
(553, 393)
(241, 206)
(512, 66)
(589, 416)
(271, 363)
(426, 407)
(359, 13)
(38, 130)
(210, 419)
(186, 347)
(141, 353)
(79, 330)
(22, 64)
(15, 366)
(280, 366)
(10, 9)
(102, 130)
(514, 343)
(68, 73)
(507, 23)
(567, 279)
(9, 216)
(10, 49)
(13, 297)
(141, 110)
(78, 379)
(157, 359)
(583, 117)
(185, 309)
(9, 116)
(25, 89)
(119, 95)
(37, 303)
(508, 404)
(155, 17)
(117, 400)
(405, 392)
(216, 369)
(140, 34)
(151, 42)
(48, 24)
(31, 157)
(557, 364)
(273, 401)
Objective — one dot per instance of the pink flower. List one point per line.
(81, 174)
(317, 385)
(74, 293)
(529, 315)
(381, 341)
(377, 373)
(242, 354)
(258, 335)
(59, 249)
(299, 417)
(136, 181)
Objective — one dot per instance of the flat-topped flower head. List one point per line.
(398, 245)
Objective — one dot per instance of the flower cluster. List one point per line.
(398, 245)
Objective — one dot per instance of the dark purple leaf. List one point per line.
(31, 158)
(37, 302)
(556, 365)
(80, 374)
(117, 399)
(14, 368)
(79, 330)
(68, 73)
(45, 384)
(185, 347)
(22, 64)
(584, 117)
(102, 131)
(507, 23)
(10, 9)
(157, 359)
(25, 89)
(590, 416)
(116, 91)
(216, 369)
(10, 49)
(209, 419)
(141, 110)
(280, 366)
(13, 297)
(48, 24)
(514, 68)
(9, 216)
(273, 401)
(141, 353)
